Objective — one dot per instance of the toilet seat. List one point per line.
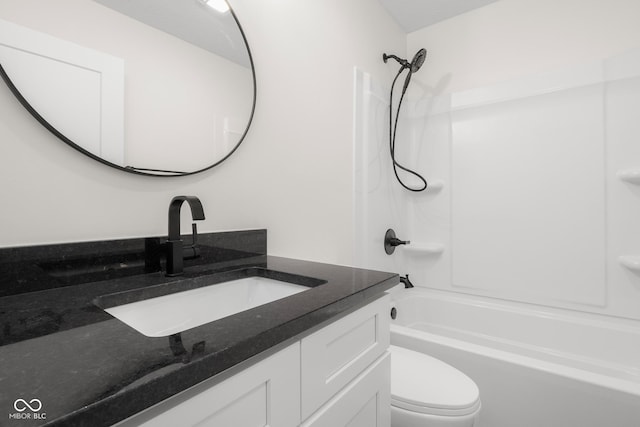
(423, 384)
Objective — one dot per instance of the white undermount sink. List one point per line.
(177, 312)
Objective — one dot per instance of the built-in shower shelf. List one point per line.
(632, 262)
(630, 175)
(424, 248)
(434, 186)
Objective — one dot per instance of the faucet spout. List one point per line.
(175, 255)
(405, 280)
(197, 213)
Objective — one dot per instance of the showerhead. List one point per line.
(418, 60)
(416, 63)
(413, 66)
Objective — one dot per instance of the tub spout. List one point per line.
(406, 281)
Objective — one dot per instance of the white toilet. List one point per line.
(426, 392)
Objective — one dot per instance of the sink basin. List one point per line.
(169, 314)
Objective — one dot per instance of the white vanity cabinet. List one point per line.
(337, 376)
(264, 394)
(345, 366)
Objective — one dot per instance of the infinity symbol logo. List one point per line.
(37, 405)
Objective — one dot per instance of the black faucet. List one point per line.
(175, 248)
(406, 281)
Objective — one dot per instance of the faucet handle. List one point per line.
(191, 251)
(391, 241)
(194, 234)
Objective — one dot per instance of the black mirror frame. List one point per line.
(138, 171)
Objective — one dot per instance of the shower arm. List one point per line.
(403, 62)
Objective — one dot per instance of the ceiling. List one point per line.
(218, 33)
(190, 21)
(413, 15)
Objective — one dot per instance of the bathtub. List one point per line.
(535, 366)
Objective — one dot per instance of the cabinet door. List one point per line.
(336, 354)
(365, 402)
(265, 394)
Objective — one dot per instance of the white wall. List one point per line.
(531, 208)
(292, 174)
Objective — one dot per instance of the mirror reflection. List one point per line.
(161, 87)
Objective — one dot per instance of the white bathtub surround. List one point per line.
(535, 211)
(534, 366)
(532, 129)
(527, 112)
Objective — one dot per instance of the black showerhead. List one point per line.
(416, 63)
(418, 60)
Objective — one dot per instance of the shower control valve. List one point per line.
(391, 241)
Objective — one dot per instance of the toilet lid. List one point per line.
(421, 383)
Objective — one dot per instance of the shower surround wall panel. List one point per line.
(531, 208)
(528, 193)
(623, 198)
(532, 218)
(504, 54)
(378, 202)
(529, 114)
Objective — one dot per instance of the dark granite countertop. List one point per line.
(87, 368)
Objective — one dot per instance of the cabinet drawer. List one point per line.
(338, 353)
(365, 402)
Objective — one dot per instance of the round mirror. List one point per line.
(154, 87)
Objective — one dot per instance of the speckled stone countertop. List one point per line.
(60, 351)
